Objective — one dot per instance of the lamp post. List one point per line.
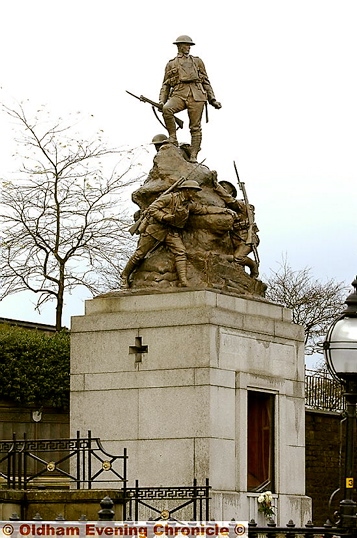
(340, 350)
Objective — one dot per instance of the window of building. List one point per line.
(260, 441)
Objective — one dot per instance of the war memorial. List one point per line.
(186, 364)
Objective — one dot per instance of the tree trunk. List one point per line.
(60, 300)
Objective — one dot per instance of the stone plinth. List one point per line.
(180, 405)
(49, 504)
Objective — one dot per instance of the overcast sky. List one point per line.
(285, 72)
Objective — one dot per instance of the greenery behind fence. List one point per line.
(34, 367)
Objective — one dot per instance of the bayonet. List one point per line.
(155, 106)
(250, 237)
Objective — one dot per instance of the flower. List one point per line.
(265, 504)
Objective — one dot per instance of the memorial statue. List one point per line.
(193, 231)
(162, 223)
(186, 86)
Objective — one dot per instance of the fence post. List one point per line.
(89, 457)
(124, 483)
(207, 500)
(195, 500)
(78, 462)
(20, 457)
(11, 484)
(106, 513)
(251, 526)
(136, 505)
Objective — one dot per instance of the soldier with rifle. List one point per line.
(245, 240)
(244, 231)
(251, 239)
(186, 86)
(155, 106)
(163, 222)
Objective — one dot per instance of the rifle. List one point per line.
(134, 228)
(157, 106)
(249, 240)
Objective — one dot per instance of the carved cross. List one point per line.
(138, 349)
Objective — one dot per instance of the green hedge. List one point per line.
(34, 367)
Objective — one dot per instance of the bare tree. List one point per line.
(63, 218)
(314, 304)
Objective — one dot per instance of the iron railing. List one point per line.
(271, 530)
(28, 463)
(291, 531)
(161, 502)
(322, 392)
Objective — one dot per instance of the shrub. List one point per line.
(34, 367)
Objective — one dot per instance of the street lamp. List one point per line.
(340, 350)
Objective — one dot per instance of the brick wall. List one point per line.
(323, 469)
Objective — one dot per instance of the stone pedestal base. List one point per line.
(167, 376)
(71, 504)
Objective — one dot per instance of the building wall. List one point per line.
(323, 455)
(177, 399)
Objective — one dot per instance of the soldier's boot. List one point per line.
(196, 139)
(181, 268)
(246, 261)
(128, 269)
(171, 127)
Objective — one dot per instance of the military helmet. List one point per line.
(159, 139)
(230, 186)
(190, 184)
(183, 39)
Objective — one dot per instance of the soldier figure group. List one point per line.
(187, 86)
(163, 222)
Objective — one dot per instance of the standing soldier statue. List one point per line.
(186, 86)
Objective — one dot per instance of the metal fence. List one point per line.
(156, 502)
(271, 530)
(291, 531)
(26, 463)
(322, 392)
(82, 461)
